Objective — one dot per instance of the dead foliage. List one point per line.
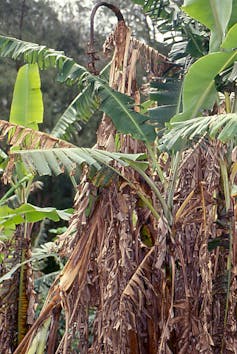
(166, 293)
(20, 137)
(8, 295)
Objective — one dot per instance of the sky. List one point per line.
(63, 2)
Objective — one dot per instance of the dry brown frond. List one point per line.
(22, 137)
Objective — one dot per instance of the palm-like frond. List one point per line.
(222, 127)
(68, 70)
(57, 160)
(118, 106)
(186, 38)
(157, 8)
(80, 109)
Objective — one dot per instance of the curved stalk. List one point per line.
(91, 49)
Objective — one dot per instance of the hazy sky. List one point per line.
(63, 2)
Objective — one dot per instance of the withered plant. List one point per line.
(151, 247)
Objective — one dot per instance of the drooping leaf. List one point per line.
(222, 127)
(30, 213)
(68, 69)
(118, 106)
(27, 103)
(36, 257)
(81, 109)
(19, 135)
(177, 29)
(214, 14)
(57, 160)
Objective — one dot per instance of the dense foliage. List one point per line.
(151, 246)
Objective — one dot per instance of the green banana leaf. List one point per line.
(27, 103)
(199, 91)
(30, 213)
(229, 43)
(58, 160)
(222, 127)
(214, 14)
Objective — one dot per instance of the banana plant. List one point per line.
(95, 89)
(201, 82)
(198, 95)
(199, 88)
(215, 15)
(16, 222)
